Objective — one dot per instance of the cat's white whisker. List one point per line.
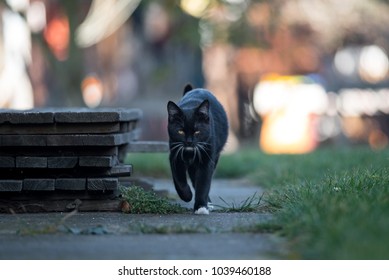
(199, 154)
(176, 146)
(182, 153)
(194, 154)
(176, 149)
(204, 143)
(205, 151)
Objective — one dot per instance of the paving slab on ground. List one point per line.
(127, 236)
(224, 192)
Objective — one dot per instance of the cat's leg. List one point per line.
(179, 178)
(181, 185)
(192, 176)
(202, 186)
(210, 204)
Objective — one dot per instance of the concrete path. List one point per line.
(124, 236)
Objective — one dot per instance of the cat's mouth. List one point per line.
(189, 154)
(189, 149)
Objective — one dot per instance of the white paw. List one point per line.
(210, 206)
(202, 211)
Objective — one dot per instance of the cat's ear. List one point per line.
(203, 110)
(187, 88)
(173, 110)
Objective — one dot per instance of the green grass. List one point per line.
(344, 216)
(263, 227)
(168, 229)
(274, 171)
(154, 165)
(250, 204)
(329, 204)
(139, 201)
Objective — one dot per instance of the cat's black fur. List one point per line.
(198, 130)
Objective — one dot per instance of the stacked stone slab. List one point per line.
(65, 149)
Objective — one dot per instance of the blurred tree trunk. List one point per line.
(72, 68)
(64, 76)
(221, 79)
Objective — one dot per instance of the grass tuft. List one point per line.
(136, 200)
(251, 204)
(168, 229)
(266, 227)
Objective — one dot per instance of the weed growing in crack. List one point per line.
(136, 200)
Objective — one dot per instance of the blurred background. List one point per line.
(292, 74)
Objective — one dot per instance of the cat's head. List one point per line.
(188, 125)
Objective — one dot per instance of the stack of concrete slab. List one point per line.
(65, 149)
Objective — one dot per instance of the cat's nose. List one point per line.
(189, 142)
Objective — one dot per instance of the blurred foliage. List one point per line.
(257, 23)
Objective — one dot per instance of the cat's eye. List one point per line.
(181, 132)
(197, 132)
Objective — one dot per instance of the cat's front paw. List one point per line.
(202, 211)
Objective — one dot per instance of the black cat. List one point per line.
(198, 130)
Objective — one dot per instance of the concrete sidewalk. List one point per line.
(127, 236)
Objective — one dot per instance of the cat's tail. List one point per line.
(187, 88)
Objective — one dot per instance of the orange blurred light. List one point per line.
(286, 133)
(377, 139)
(56, 35)
(289, 106)
(92, 91)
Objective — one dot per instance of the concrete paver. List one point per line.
(128, 236)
